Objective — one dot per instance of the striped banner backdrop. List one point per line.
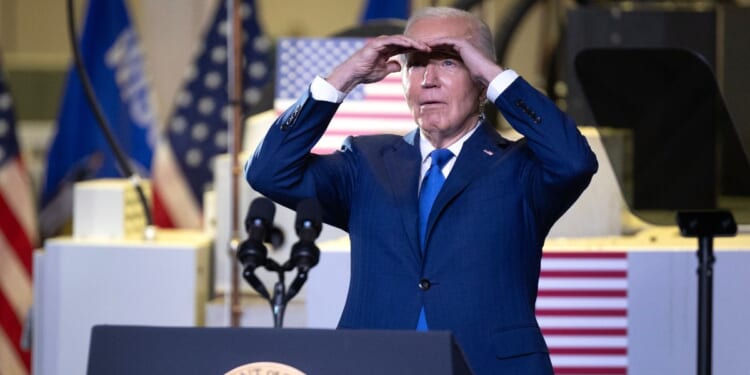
(582, 309)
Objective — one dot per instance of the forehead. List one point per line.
(439, 27)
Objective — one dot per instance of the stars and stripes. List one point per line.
(18, 237)
(582, 308)
(198, 127)
(374, 108)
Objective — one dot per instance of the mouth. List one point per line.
(430, 103)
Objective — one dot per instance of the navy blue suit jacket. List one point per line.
(485, 234)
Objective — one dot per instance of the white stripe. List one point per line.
(15, 282)
(554, 341)
(10, 363)
(584, 264)
(589, 360)
(15, 187)
(173, 190)
(394, 89)
(372, 125)
(582, 322)
(582, 302)
(582, 283)
(374, 106)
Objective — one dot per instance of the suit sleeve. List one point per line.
(562, 162)
(283, 168)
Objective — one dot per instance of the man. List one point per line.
(475, 268)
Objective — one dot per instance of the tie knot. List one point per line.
(440, 156)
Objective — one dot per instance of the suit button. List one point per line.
(424, 284)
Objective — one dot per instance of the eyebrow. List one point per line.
(439, 55)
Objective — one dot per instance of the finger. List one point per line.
(393, 66)
(396, 44)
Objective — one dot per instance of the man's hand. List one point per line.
(373, 61)
(482, 68)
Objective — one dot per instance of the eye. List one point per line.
(449, 63)
(416, 60)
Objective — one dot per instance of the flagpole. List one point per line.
(234, 90)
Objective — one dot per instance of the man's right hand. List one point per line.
(373, 61)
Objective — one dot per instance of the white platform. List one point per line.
(78, 284)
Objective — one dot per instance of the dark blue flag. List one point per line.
(197, 129)
(114, 61)
(379, 9)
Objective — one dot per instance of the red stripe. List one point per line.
(588, 351)
(581, 254)
(10, 324)
(324, 150)
(582, 312)
(591, 370)
(584, 331)
(392, 79)
(583, 293)
(585, 273)
(15, 235)
(161, 215)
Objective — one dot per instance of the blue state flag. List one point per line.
(114, 61)
(383, 9)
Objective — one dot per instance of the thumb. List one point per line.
(393, 66)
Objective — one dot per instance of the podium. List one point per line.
(144, 350)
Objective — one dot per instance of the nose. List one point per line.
(429, 78)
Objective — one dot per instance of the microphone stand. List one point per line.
(304, 256)
(278, 300)
(705, 225)
(281, 296)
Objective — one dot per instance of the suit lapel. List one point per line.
(480, 152)
(402, 161)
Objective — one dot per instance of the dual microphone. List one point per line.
(252, 252)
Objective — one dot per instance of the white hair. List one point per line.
(479, 27)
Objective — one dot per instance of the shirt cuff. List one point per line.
(323, 91)
(500, 83)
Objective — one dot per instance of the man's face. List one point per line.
(442, 97)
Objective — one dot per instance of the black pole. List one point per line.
(706, 261)
(279, 302)
(705, 225)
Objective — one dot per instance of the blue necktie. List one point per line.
(431, 185)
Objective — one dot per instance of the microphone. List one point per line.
(305, 254)
(258, 224)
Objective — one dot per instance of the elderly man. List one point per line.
(447, 222)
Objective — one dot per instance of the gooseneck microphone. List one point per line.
(252, 253)
(305, 254)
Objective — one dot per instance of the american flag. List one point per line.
(369, 109)
(582, 308)
(197, 129)
(18, 237)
